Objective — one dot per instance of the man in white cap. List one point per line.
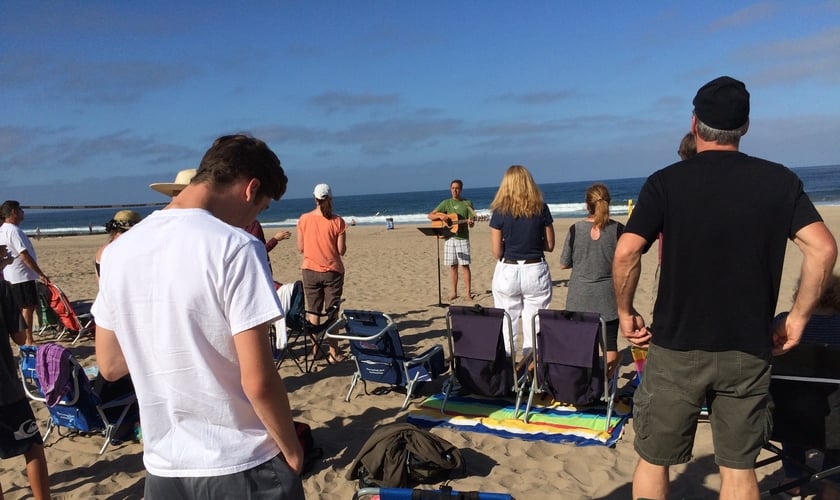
(184, 306)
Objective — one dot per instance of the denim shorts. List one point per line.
(674, 387)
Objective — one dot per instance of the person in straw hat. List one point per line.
(122, 222)
(173, 188)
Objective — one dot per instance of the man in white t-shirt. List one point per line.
(24, 270)
(184, 305)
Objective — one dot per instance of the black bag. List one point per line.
(311, 454)
(401, 455)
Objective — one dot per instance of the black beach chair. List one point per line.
(479, 363)
(570, 360)
(805, 386)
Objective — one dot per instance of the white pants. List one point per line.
(521, 290)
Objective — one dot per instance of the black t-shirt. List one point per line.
(726, 219)
(10, 322)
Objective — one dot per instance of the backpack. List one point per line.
(400, 455)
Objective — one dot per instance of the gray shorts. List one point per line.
(456, 251)
(675, 384)
(273, 479)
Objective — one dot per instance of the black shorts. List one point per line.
(25, 294)
(18, 429)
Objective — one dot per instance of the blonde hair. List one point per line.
(518, 194)
(598, 204)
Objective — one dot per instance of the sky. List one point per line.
(99, 99)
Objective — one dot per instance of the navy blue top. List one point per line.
(522, 238)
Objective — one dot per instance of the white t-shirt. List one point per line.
(175, 289)
(16, 241)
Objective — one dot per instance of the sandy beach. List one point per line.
(394, 271)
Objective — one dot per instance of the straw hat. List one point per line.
(122, 221)
(172, 188)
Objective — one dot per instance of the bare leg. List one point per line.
(739, 484)
(453, 279)
(36, 470)
(650, 481)
(612, 362)
(467, 281)
(28, 313)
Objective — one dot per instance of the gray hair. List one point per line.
(722, 137)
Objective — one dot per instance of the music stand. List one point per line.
(439, 232)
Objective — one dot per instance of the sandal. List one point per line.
(336, 358)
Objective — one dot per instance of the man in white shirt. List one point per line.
(24, 270)
(184, 306)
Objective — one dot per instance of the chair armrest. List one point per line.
(116, 403)
(426, 356)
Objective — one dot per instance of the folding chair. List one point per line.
(570, 360)
(805, 386)
(379, 356)
(285, 340)
(479, 363)
(71, 323)
(77, 406)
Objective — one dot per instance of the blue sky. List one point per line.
(98, 99)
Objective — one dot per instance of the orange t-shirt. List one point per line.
(319, 235)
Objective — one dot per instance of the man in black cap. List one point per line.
(727, 218)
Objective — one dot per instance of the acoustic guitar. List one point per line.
(451, 223)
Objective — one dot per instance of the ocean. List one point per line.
(565, 199)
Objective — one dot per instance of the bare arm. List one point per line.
(341, 243)
(109, 355)
(549, 238)
(435, 215)
(31, 264)
(819, 253)
(267, 392)
(627, 267)
(497, 246)
(300, 240)
(277, 238)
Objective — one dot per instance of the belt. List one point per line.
(526, 261)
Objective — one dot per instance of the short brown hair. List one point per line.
(232, 157)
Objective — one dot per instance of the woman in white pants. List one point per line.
(521, 230)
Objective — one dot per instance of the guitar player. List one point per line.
(456, 212)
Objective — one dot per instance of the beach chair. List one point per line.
(379, 356)
(286, 340)
(479, 363)
(570, 360)
(47, 319)
(71, 323)
(70, 399)
(443, 493)
(805, 386)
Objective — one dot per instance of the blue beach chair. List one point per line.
(78, 408)
(444, 493)
(378, 352)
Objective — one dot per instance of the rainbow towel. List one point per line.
(553, 422)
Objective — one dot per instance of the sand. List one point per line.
(393, 271)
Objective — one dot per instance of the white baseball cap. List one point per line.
(322, 191)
